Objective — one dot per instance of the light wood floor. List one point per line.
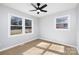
(46, 48)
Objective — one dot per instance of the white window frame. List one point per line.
(32, 26)
(23, 26)
(68, 21)
(9, 25)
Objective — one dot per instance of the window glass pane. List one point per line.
(28, 22)
(28, 29)
(16, 30)
(16, 20)
(65, 26)
(28, 26)
(61, 20)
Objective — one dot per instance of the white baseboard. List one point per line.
(58, 42)
(16, 45)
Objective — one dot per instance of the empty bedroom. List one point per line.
(39, 29)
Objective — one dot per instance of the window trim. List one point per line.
(31, 26)
(9, 25)
(23, 25)
(68, 21)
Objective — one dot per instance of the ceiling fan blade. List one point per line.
(34, 6)
(43, 6)
(33, 10)
(43, 10)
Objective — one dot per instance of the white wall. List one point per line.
(6, 41)
(78, 27)
(49, 32)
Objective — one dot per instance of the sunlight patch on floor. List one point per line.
(33, 51)
(56, 47)
(43, 44)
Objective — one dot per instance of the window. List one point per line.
(16, 25)
(19, 25)
(62, 22)
(28, 26)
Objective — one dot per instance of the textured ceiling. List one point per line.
(51, 8)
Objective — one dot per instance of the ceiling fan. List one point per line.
(39, 8)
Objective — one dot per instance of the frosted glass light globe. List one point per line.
(38, 10)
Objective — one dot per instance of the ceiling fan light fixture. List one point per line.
(38, 10)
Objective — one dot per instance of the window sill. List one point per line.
(15, 35)
(10, 36)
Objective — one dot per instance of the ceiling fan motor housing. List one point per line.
(39, 9)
